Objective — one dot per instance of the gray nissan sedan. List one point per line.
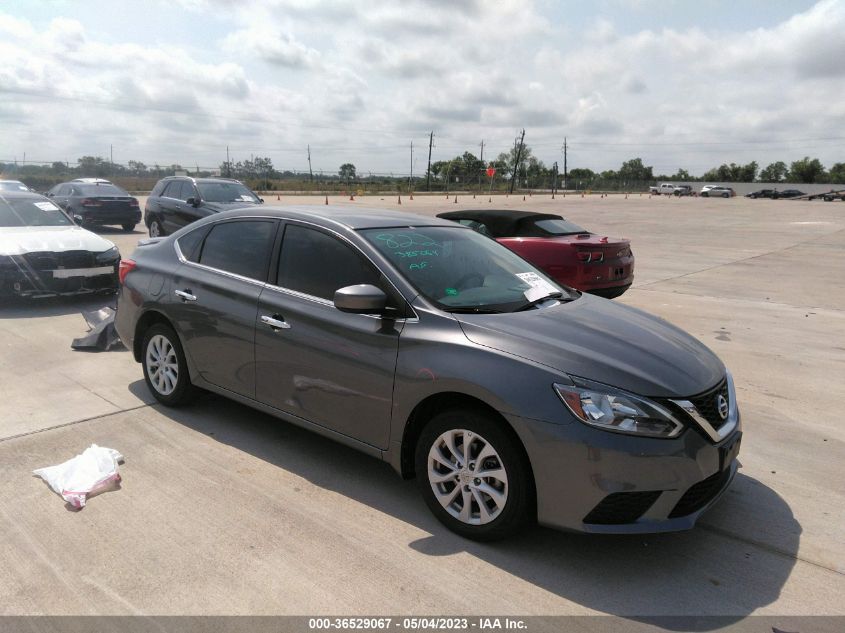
(509, 397)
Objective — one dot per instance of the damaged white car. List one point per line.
(43, 253)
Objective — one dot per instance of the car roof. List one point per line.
(348, 217)
(17, 182)
(500, 222)
(212, 179)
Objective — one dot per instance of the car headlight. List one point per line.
(109, 256)
(612, 409)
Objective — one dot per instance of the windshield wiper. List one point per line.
(531, 304)
(471, 310)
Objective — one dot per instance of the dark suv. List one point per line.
(95, 203)
(176, 201)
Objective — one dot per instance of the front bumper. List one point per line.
(56, 274)
(590, 480)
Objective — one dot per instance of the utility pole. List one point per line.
(565, 173)
(228, 164)
(516, 162)
(481, 160)
(111, 159)
(310, 173)
(428, 171)
(411, 177)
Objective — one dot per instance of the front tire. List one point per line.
(474, 476)
(156, 229)
(165, 367)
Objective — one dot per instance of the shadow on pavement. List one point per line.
(22, 308)
(719, 568)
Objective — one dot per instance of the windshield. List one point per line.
(12, 185)
(226, 192)
(100, 190)
(460, 270)
(559, 227)
(31, 212)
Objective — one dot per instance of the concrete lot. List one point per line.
(226, 511)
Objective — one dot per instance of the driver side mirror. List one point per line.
(194, 202)
(360, 299)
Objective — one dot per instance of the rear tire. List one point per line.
(453, 482)
(165, 367)
(128, 227)
(156, 229)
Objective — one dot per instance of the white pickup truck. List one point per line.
(664, 188)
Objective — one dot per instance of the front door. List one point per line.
(329, 367)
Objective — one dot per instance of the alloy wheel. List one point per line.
(162, 365)
(467, 476)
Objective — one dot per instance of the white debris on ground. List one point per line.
(95, 470)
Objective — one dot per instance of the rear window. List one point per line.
(241, 247)
(100, 190)
(552, 227)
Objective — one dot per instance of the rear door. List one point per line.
(215, 301)
(329, 367)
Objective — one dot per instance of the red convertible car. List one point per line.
(569, 254)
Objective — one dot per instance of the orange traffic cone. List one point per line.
(351, 197)
(412, 196)
(327, 198)
(400, 198)
(490, 199)
(456, 198)
(523, 197)
(278, 197)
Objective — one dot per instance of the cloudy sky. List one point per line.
(680, 84)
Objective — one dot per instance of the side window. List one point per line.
(63, 190)
(173, 189)
(318, 264)
(187, 190)
(189, 244)
(241, 247)
(475, 225)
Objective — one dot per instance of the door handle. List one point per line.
(185, 295)
(275, 323)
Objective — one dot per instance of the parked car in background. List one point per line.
(682, 190)
(176, 201)
(92, 204)
(717, 192)
(13, 185)
(834, 195)
(43, 253)
(511, 399)
(762, 193)
(664, 188)
(787, 193)
(571, 255)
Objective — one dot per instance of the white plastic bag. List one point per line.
(91, 472)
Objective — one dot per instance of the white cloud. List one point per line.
(280, 74)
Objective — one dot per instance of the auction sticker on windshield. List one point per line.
(535, 281)
(46, 206)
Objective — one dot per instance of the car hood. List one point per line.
(604, 341)
(19, 240)
(227, 206)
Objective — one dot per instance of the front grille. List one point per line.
(44, 261)
(701, 494)
(706, 404)
(622, 507)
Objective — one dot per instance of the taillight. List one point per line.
(126, 267)
(90, 202)
(133, 202)
(590, 257)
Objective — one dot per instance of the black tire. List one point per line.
(519, 509)
(705, 195)
(128, 227)
(159, 230)
(726, 195)
(182, 390)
